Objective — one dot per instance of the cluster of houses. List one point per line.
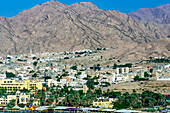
(36, 71)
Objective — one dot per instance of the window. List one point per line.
(120, 70)
(125, 70)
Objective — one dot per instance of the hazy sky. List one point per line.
(9, 8)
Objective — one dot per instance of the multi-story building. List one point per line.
(12, 85)
(18, 97)
(122, 70)
(22, 98)
(3, 101)
(80, 87)
(11, 97)
(103, 103)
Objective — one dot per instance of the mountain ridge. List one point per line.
(53, 26)
(159, 16)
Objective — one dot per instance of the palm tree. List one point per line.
(31, 100)
(152, 102)
(42, 101)
(52, 91)
(108, 91)
(65, 100)
(51, 99)
(12, 103)
(133, 99)
(138, 104)
(83, 100)
(70, 98)
(56, 98)
(88, 96)
(90, 83)
(41, 95)
(74, 102)
(47, 88)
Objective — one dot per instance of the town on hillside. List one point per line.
(83, 81)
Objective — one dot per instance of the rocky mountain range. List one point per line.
(54, 26)
(159, 16)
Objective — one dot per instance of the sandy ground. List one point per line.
(155, 86)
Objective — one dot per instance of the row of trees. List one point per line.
(137, 100)
(71, 97)
(126, 100)
(162, 60)
(78, 98)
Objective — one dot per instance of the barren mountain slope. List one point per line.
(53, 26)
(156, 48)
(159, 16)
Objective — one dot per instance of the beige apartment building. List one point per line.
(12, 85)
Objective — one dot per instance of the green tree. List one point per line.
(98, 92)
(83, 101)
(115, 66)
(35, 63)
(11, 103)
(10, 75)
(90, 83)
(41, 95)
(146, 74)
(21, 105)
(56, 98)
(134, 91)
(65, 100)
(136, 78)
(51, 99)
(81, 92)
(34, 75)
(151, 70)
(122, 103)
(42, 101)
(74, 67)
(31, 101)
(47, 88)
(25, 90)
(138, 104)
